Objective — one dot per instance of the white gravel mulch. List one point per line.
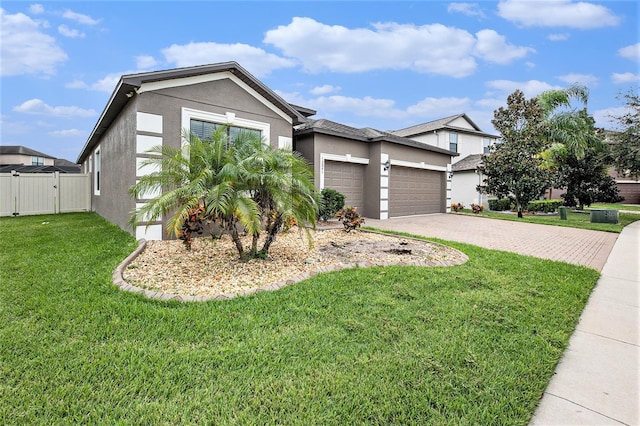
(212, 267)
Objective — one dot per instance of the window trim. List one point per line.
(451, 134)
(230, 119)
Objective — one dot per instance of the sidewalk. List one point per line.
(597, 381)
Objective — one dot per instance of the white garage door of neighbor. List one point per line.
(346, 178)
(415, 191)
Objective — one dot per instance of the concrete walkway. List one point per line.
(597, 381)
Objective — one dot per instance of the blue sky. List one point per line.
(386, 65)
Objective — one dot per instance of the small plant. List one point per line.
(332, 201)
(350, 218)
(456, 207)
(477, 208)
(194, 224)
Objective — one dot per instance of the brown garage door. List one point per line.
(415, 191)
(346, 178)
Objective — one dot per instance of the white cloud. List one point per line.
(80, 18)
(558, 37)
(66, 133)
(70, 32)
(440, 107)
(627, 77)
(557, 13)
(584, 79)
(145, 62)
(255, 60)
(39, 107)
(325, 89)
(434, 49)
(105, 84)
(469, 9)
(631, 52)
(493, 47)
(25, 49)
(605, 117)
(530, 88)
(36, 9)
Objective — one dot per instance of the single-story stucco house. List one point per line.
(381, 173)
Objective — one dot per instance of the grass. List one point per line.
(465, 345)
(574, 220)
(631, 207)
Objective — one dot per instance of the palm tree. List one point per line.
(281, 184)
(570, 127)
(202, 176)
(243, 184)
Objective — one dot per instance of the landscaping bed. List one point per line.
(212, 267)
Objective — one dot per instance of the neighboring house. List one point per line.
(460, 134)
(383, 174)
(465, 180)
(26, 160)
(456, 133)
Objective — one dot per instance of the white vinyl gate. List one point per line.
(44, 193)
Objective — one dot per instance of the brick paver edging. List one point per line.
(119, 281)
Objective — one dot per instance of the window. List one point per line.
(486, 143)
(453, 142)
(204, 130)
(96, 175)
(37, 161)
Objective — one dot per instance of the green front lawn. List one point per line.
(471, 344)
(630, 207)
(574, 220)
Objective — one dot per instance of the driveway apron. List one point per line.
(571, 245)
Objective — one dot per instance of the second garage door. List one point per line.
(346, 178)
(415, 191)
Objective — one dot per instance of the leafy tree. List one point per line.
(587, 180)
(243, 184)
(513, 167)
(626, 151)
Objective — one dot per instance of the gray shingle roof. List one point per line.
(366, 134)
(21, 150)
(470, 162)
(441, 123)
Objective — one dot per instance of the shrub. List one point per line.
(477, 208)
(456, 207)
(193, 224)
(544, 206)
(500, 204)
(350, 218)
(332, 201)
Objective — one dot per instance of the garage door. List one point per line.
(346, 178)
(415, 191)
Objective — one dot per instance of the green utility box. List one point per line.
(563, 212)
(604, 216)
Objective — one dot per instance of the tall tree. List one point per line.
(513, 168)
(626, 150)
(566, 125)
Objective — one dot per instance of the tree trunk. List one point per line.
(236, 239)
(272, 231)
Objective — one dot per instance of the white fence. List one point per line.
(44, 193)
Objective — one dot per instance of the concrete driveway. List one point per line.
(577, 246)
